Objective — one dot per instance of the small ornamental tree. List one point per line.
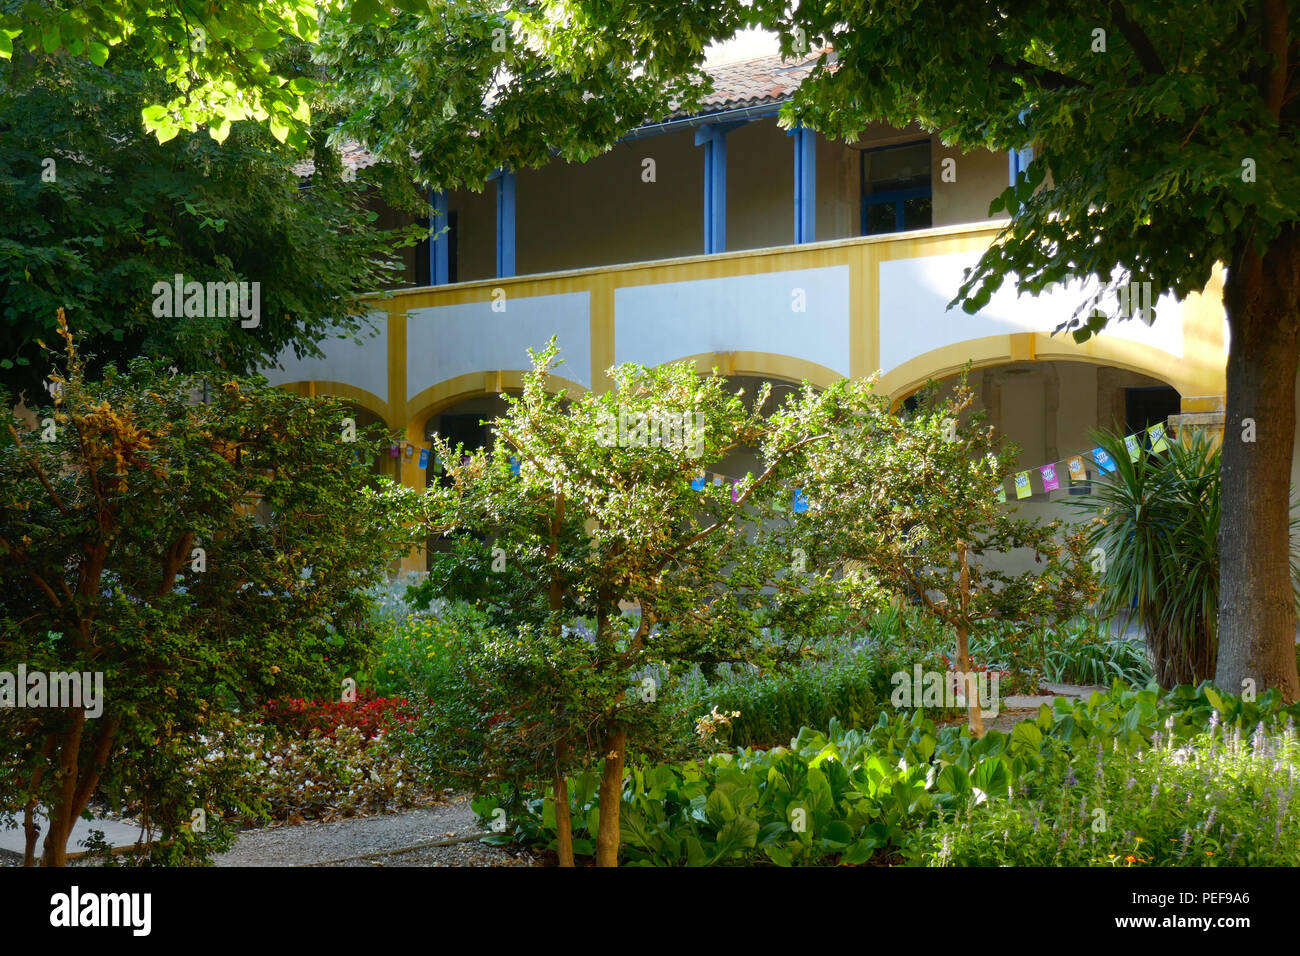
(197, 554)
(910, 500)
(602, 519)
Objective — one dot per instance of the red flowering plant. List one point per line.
(368, 714)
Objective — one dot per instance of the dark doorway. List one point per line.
(467, 430)
(1144, 407)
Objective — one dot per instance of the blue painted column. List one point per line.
(438, 240)
(805, 184)
(1017, 161)
(714, 141)
(505, 224)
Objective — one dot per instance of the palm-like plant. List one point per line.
(1157, 523)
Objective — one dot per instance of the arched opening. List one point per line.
(1048, 409)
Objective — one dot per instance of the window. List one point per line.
(896, 188)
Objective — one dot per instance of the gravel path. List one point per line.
(368, 841)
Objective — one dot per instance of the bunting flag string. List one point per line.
(1156, 439)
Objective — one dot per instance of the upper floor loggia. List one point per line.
(722, 238)
(727, 178)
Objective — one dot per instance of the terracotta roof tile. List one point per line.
(743, 83)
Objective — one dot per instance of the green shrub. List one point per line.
(289, 778)
(846, 679)
(773, 706)
(853, 796)
(1084, 652)
(1217, 800)
(416, 654)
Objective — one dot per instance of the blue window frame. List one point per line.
(896, 192)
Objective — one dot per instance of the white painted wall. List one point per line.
(450, 340)
(363, 365)
(914, 295)
(754, 313)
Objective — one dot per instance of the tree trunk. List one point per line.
(30, 831)
(611, 798)
(963, 650)
(560, 786)
(563, 817)
(61, 814)
(77, 781)
(30, 834)
(1257, 618)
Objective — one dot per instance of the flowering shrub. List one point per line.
(1217, 800)
(369, 716)
(289, 778)
(416, 654)
(341, 775)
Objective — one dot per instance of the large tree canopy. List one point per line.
(1165, 142)
(94, 212)
(463, 87)
(214, 56)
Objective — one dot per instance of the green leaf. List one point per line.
(860, 852)
(695, 855)
(719, 808)
(363, 11)
(1216, 699)
(1026, 737)
(1045, 720)
(837, 834)
(279, 128)
(953, 779)
(741, 833)
(98, 53)
(781, 856)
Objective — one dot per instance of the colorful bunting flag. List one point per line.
(800, 502)
(1156, 435)
(514, 466)
(735, 490)
(697, 483)
(1050, 481)
(1134, 448)
(1022, 485)
(1002, 492)
(1076, 469)
(1103, 460)
(424, 458)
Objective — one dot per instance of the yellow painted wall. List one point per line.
(1067, 389)
(981, 175)
(477, 230)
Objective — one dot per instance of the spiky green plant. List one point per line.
(1157, 522)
